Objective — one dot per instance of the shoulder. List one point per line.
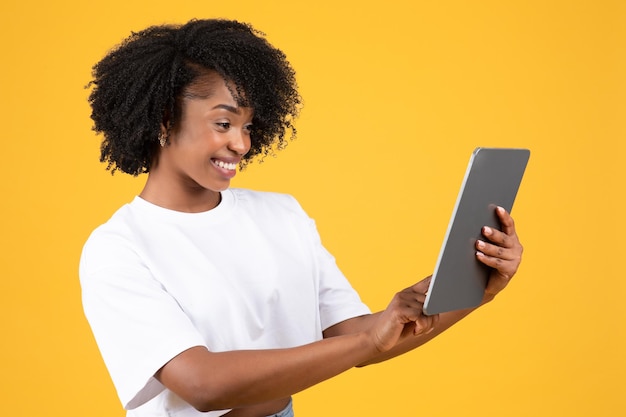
(113, 240)
(117, 225)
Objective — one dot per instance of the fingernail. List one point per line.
(487, 230)
(481, 244)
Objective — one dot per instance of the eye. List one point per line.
(223, 125)
(249, 127)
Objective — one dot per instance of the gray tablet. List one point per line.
(492, 179)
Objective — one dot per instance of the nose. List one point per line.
(239, 141)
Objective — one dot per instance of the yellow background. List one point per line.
(397, 95)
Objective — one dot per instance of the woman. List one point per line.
(206, 299)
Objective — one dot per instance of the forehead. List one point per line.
(209, 83)
(208, 94)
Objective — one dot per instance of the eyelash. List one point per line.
(226, 126)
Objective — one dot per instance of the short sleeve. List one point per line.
(338, 300)
(138, 326)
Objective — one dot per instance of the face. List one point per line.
(205, 149)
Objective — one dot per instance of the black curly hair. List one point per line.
(138, 87)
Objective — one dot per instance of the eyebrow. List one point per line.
(227, 107)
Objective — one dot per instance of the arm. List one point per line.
(502, 252)
(211, 381)
(443, 322)
(234, 379)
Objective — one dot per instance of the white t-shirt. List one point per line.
(249, 274)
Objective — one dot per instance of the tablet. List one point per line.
(492, 179)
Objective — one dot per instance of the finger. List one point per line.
(408, 305)
(410, 308)
(425, 324)
(498, 237)
(496, 251)
(505, 267)
(506, 221)
(435, 320)
(411, 299)
(501, 245)
(422, 286)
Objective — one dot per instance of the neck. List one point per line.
(189, 198)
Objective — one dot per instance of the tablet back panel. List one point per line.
(492, 179)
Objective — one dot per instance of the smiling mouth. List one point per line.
(224, 165)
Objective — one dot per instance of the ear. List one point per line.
(166, 124)
(164, 133)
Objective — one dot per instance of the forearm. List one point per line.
(232, 379)
(446, 320)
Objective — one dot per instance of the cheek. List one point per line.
(251, 141)
(195, 141)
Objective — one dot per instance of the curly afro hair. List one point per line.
(138, 87)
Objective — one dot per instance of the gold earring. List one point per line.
(163, 139)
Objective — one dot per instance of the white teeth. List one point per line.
(225, 165)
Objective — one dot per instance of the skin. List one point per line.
(185, 177)
(213, 128)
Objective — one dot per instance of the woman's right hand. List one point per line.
(403, 318)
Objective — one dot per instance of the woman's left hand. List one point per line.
(502, 251)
